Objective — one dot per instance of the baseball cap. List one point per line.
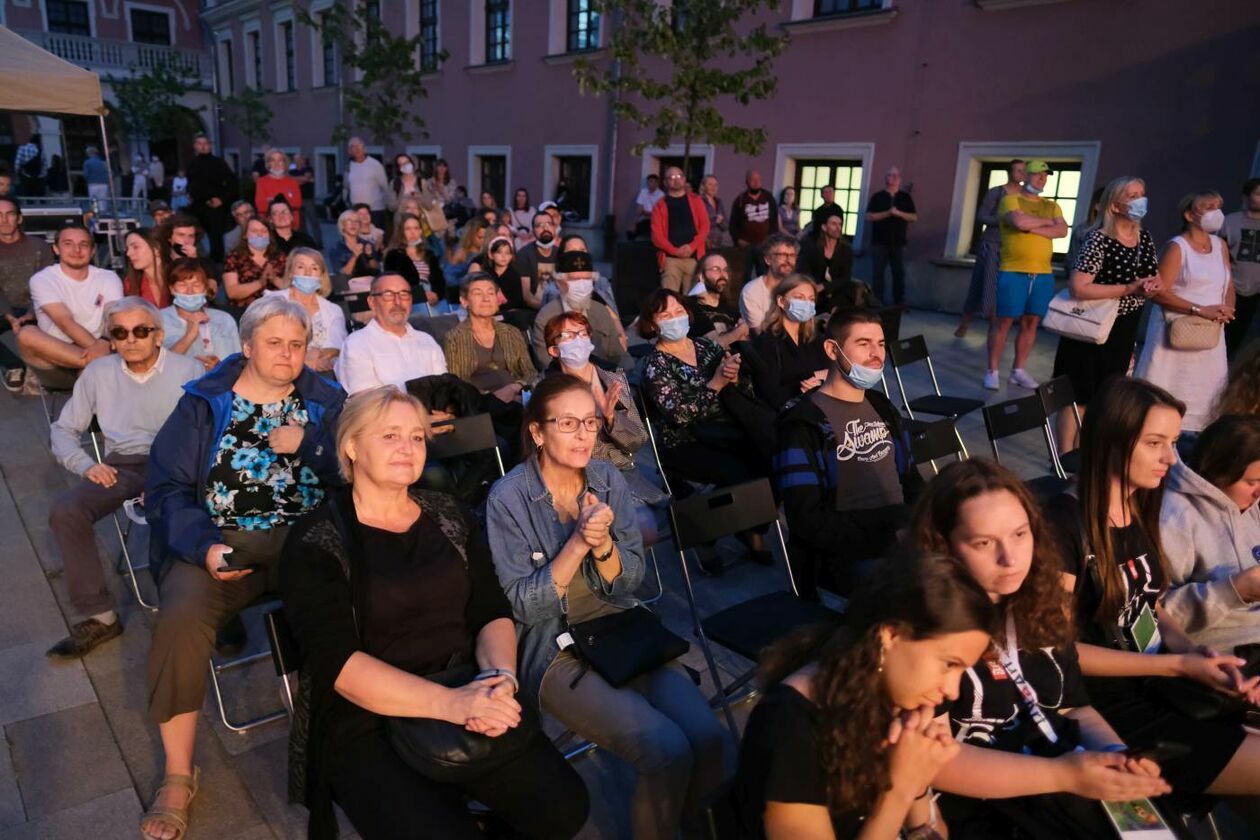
(158, 205)
(1035, 166)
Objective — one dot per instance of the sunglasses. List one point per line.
(121, 333)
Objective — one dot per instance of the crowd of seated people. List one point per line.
(997, 667)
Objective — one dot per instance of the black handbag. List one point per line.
(625, 644)
(447, 752)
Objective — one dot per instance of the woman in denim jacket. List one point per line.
(566, 548)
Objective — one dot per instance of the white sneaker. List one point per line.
(1020, 377)
(991, 380)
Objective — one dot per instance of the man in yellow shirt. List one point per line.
(1025, 283)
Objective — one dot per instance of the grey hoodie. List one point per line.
(1206, 540)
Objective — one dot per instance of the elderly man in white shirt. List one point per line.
(388, 351)
(366, 181)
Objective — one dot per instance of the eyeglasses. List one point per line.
(717, 269)
(781, 254)
(121, 333)
(568, 424)
(569, 335)
(391, 296)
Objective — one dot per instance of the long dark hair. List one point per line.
(1108, 437)
(544, 394)
(1226, 449)
(133, 283)
(1041, 606)
(919, 595)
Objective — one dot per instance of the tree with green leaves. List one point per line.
(388, 75)
(249, 113)
(148, 102)
(672, 64)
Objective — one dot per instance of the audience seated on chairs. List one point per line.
(567, 550)
(248, 450)
(827, 256)
(458, 260)
(1029, 767)
(183, 237)
(21, 256)
(146, 275)
(485, 351)
(242, 212)
(190, 326)
(388, 351)
(131, 394)
(756, 299)
(843, 465)
(601, 289)
(353, 253)
(844, 742)
(712, 316)
(410, 256)
(1209, 525)
(499, 262)
(536, 261)
(574, 278)
(287, 236)
(253, 266)
(1118, 571)
(789, 351)
(398, 616)
(69, 299)
(305, 282)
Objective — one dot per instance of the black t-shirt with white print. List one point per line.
(866, 458)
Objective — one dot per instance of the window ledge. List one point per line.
(851, 20)
(570, 57)
(495, 67)
(1003, 5)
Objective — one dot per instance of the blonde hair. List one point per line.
(1111, 194)
(776, 316)
(325, 283)
(365, 408)
(345, 216)
(281, 153)
(1190, 201)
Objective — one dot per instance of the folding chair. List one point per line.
(890, 316)
(931, 441)
(468, 435)
(747, 627)
(435, 325)
(907, 351)
(217, 668)
(1057, 395)
(1013, 417)
(124, 563)
(284, 653)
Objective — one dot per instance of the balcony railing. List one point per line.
(121, 58)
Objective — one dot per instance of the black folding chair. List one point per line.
(435, 325)
(284, 653)
(931, 441)
(124, 563)
(745, 628)
(1058, 395)
(908, 351)
(1013, 417)
(468, 435)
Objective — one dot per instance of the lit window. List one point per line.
(1063, 187)
(498, 30)
(824, 8)
(845, 176)
(583, 26)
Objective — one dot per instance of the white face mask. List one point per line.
(1212, 220)
(407, 168)
(579, 292)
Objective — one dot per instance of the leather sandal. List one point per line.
(175, 817)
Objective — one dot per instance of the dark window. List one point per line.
(583, 26)
(493, 177)
(255, 49)
(694, 171)
(1063, 187)
(290, 57)
(498, 30)
(328, 167)
(424, 165)
(844, 175)
(575, 173)
(823, 8)
(329, 49)
(428, 34)
(227, 81)
(373, 10)
(69, 17)
(150, 27)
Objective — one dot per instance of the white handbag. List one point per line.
(1089, 321)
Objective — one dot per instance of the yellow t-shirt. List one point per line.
(1022, 251)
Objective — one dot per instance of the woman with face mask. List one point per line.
(254, 265)
(189, 325)
(1116, 260)
(278, 182)
(789, 354)
(1194, 280)
(306, 282)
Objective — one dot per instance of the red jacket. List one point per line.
(660, 229)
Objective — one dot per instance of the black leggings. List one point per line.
(538, 794)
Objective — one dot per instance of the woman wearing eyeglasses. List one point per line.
(566, 549)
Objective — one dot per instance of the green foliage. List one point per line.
(249, 113)
(673, 64)
(147, 104)
(381, 76)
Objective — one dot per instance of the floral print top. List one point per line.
(681, 393)
(251, 486)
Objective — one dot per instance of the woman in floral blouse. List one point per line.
(253, 266)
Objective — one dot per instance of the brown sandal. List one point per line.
(175, 817)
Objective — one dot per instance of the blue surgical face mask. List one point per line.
(674, 329)
(189, 303)
(1136, 209)
(306, 284)
(576, 352)
(259, 243)
(862, 376)
(800, 310)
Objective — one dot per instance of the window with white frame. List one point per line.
(498, 31)
(581, 26)
(429, 48)
(826, 8)
(69, 17)
(489, 170)
(842, 175)
(569, 180)
(327, 165)
(253, 57)
(286, 56)
(150, 26)
(325, 66)
(227, 72)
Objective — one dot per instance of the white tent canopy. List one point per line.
(36, 81)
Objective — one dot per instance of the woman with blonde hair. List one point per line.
(789, 355)
(353, 253)
(1116, 261)
(278, 183)
(306, 282)
(458, 260)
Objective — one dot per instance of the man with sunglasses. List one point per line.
(388, 351)
(69, 299)
(130, 394)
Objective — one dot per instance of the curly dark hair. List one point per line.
(1042, 607)
(919, 595)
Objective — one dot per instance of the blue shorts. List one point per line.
(1019, 293)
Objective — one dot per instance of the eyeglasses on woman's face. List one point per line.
(568, 424)
(570, 335)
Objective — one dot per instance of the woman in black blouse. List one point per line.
(499, 261)
(789, 346)
(384, 586)
(1117, 259)
(410, 256)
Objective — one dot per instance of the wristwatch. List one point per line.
(601, 558)
(1194, 309)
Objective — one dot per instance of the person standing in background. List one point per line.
(982, 292)
(890, 212)
(211, 189)
(680, 227)
(367, 183)
(754, 216)
(1242, 232)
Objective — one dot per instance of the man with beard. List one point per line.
(536, 262)
(757, 297)
(388, 351)
(210, 192)
(713, 316)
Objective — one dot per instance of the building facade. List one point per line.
(948, 90)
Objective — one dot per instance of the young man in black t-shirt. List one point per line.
(843, 463)
(890, 212)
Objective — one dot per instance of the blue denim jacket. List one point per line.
(526, 533)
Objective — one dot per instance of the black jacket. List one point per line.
(397, 262)
(209, 177)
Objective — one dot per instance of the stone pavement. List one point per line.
(80, 760)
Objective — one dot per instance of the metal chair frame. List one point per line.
(123, 564)
(927, 437)
(936, 386)
(478, 428)
(1057, 395)
(991, 412)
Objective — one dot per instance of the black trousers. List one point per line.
(1237, 330)
(884, 256)
(214, 221)
(538, 794)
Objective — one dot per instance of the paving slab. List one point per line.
(31, 684)
(11, 811)
(115, 816)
